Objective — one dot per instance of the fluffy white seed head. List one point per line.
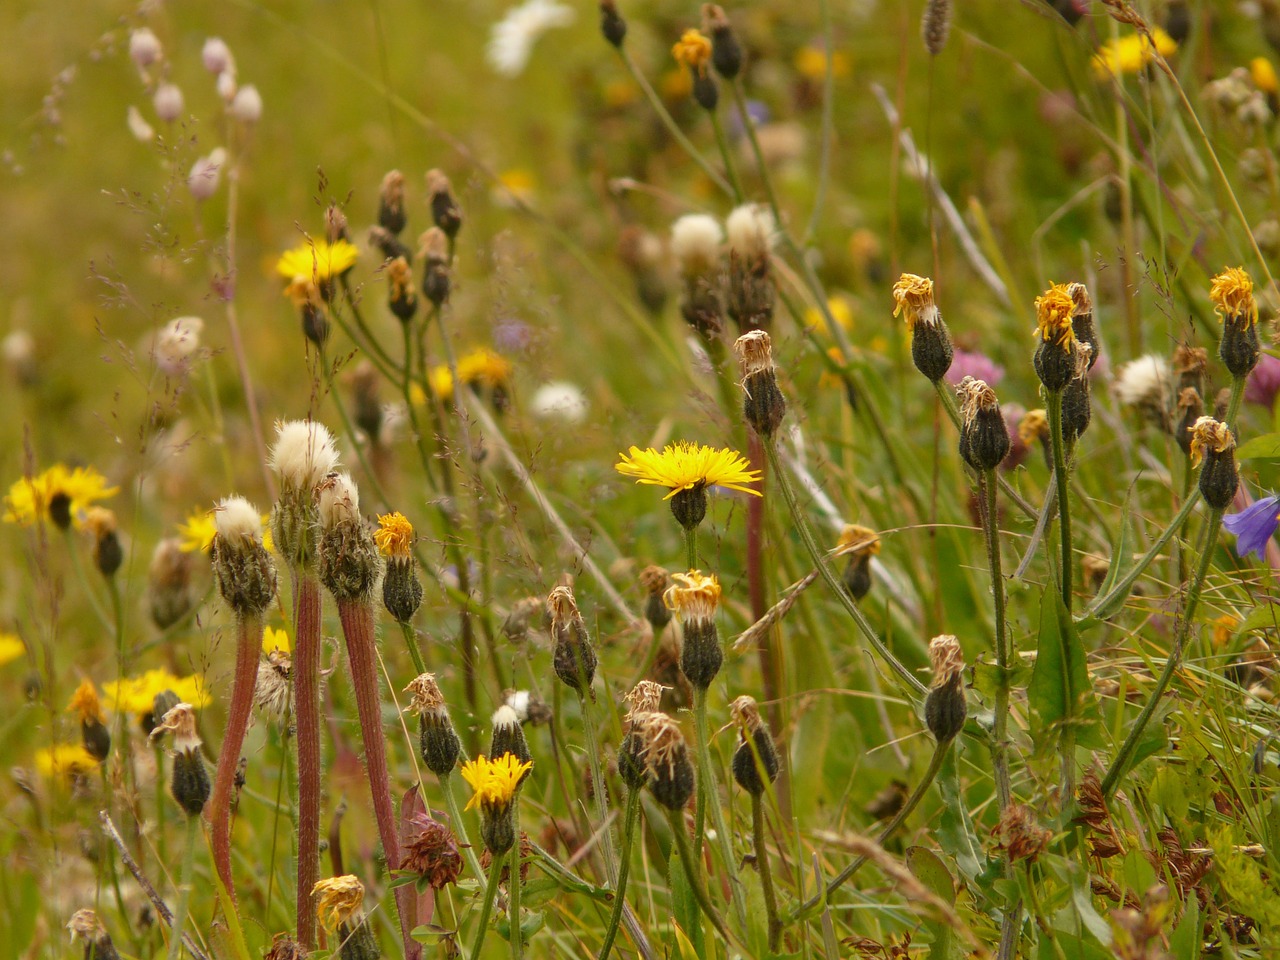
(751, 231)
(560, 400)
(142, 131)
(216, 55)
(518, 704)
(237, 519)
(206, 174)
(168, 102)
(338, 500)
(1144, 382)
(303, 454)
(226, 85)
(695, 243)
(505, 716)
(247, 105)
(177, 345)
(144, 47)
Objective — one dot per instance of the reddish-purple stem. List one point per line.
(306, 705)
(358, 629)
(248, 646)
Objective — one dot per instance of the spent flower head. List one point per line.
(913, 298)
(1231, 293)
(337, 899)
(1209, 436)
(694, 597)
(1054, 309)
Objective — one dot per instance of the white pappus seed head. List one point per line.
(206, 174)
(177, 344)
(144, 47)
(303, 454)
(168, 102)
(216, 55)
(338, 500)
(751, 231)
(237, 519)
(247, 105)
(517, 703)
(695, 243)
(505, 716)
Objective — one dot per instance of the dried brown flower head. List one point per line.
(432, 851)
(337, 899)
(1019, 835)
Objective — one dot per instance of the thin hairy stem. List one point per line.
(624, 868)
(690, 862)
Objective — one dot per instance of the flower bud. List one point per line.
(726, 51)
(1077, 405)
(85, 925)
(756, 759)
(246, 105)
(666, 757)
(350, 563)
(944, 706)
(401, 590)
(93, 729)
(573, 657)
(694, 600)
(190, 781)
(612, 25)
(763, 406)
(1055, 357)
(303, 454)
(108, 555)
(984, 439)
(859, 544)
(1190, 410)
(1213, 444)
(1082, 322)
(1232, 295)
(695, 245)
(168, 102)
(508, 736)
(437, 738)
(689, 507)
(144, 47)
(216, 56)
(445, 212)
(931, 348)
(433, 248)
(244, 570)
(705, 92)
(391, 212)
(655, 581)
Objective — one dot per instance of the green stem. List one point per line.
(1125, 583)
(598, 787)
(836, 882)
(709, 797)
(693, 874)
(691, 547)
(722, 142)
(624, 866)
(819, 558)
(1000, 724)
(486, 908)
(1054, 409)
(766, 875)
(184, 888)
(411, 641)
(459, 827)
(513, 884)
(1125, 754)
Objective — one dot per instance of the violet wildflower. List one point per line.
(1264, 381)
(970, 363)
(1254, 526)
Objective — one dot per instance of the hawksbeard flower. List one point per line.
(494, 782)
(60, 494)
(689, 466)
(1254, 526)
(11, 648)
(318, 260)
(1053, 317)
(693, 50)
(1132, 53)
(137, 694)
(275, 640)
(337, 899)
(65, 761)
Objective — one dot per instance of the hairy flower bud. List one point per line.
(1232, 295)
(984, 438)
(694, 599)
(666, 755)
(931, 348)
(944, 706)
(1213, 444)
(445, 212)
(244, 570)
(612, 25)
(755, 762)
(859, 544)
(763, 406)
(438, 741)
(573, 657)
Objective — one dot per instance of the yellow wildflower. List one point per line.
(337, 899)
(275, 639)
(811, 63)
(1231, 292)
(136, 694)
(317, 261)
(11, 648)
(839, 308)
(858, 540)
(689, 466)
(485, 368)
(440, 379)
(693, 50)
(514, 188)
(494, 781)
(85, 702)
(693, 597)
(394, 535)
(1224, 629)
(1053, 316)
(1131, 54)
(1263, 73)
(65, 761)
(57, 493)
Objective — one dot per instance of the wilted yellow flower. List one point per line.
(46, 495)
(1053, 316)
(1131, 54)
(1209, 435)
(317, 260)
(394, 535)
(85, 702)
(913, 298)
(274, 639)
(65, 761)
(1231, 293)
(693, 50)
(693, 597)
(688, 466)
(137, 694)
(337, 898)
(11, 648)
(494, 781)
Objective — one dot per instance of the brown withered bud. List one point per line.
(433, 248)
(859, 544)
(438, 741)
(1077, 406)
(1095, 571)
(984, 439)
(402, 299)
(190, 780)
(445, 212)
(1034, 428)
(612, 25)
(763, 405)
(655, 580)
(87, 927)
(169, 594)
(573, 656)
(666, 756)
(944, 706)
(1214, 446)
(431, 851)
(284, 947)
(755, 761)
(1019, 835)
(520, 617)
(391, 214)
(1191, 364)
(367, 407)
(1190, 410)
(1082, 322)
(726, 51)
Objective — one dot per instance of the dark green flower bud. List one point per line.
(931, 348)
(1056, 357)
(984, 437)
(96, 739)
(944, 706)
(726, 51)
(508, 737)
(573, 657)
(695, 600)
(1082, 322)
(433, 248)
(190, 781)
(689, 507)
(401, 590)
(755, 762)
(1231, 293)
(359, 943)
(666, 756)
(705, 91)
(655, 581)
(437, 738)
(860, 544)
(763, 404)
(1214, 446)
(161, 704)
(1190, 410)
(445, 212)
(612, 25)
(631, 767)
(391, 214)
(1077, 408)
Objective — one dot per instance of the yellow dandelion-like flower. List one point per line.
(337, 899)
(66, 761)
(515, 187)
(858, 540)
(198, 531)
(1263, 73)
(693, 596)
(494, 781)
(11, 648)
(137, 694)
(811, 63)
(693, 50)
(913, 297)
(394, 535)
(275, 639)
(45, 496)
(484, 368)
(689, 466)
(1132, 53)
(440, 380)
(1053, 316)
(839, 308)
(85, 702)
(1231, 292)
(317, 260)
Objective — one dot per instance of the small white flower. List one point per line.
(168, 102)
(695, 243)
(303, 454)
(144, 47)
(339, 500)
(226, 85)
(751, 231)
(512, 38)
(206, 173)
(560, 400)
(142, 131)
(247, 105)
(177, 344)
(1144, 383)
(217, 55)
(236, 519)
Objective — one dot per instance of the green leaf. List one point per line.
(684, 904)
(537, 892)
(1121, 563)
(933, 873)
(1059, 692)
(1264, 616)
(1265, 447)
(955, 833)
(1184, 944)
(757, 917)
(531, 924)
